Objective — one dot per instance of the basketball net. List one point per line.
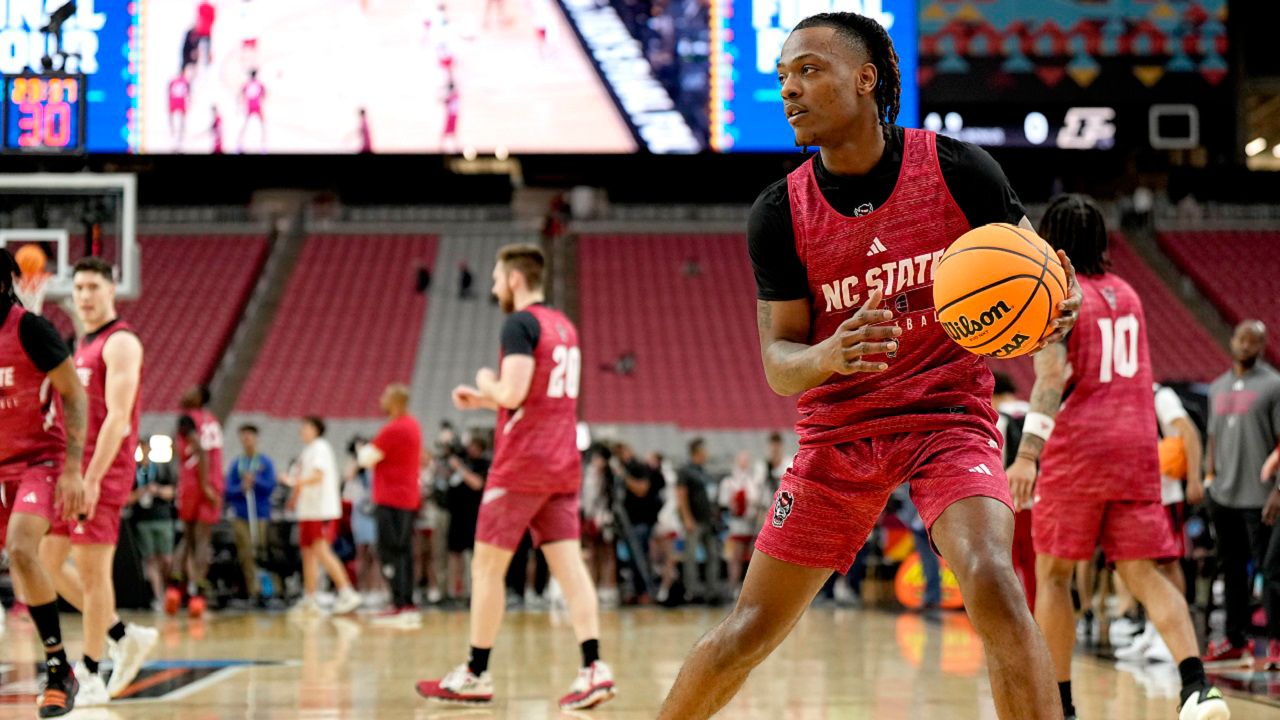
(31, 290)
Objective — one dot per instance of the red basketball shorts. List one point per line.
(194, 507)
(310, 531)
(8, 496)
(831, 498)
(1070, 528)
(101, 529)
(505, 515)
(34, 493)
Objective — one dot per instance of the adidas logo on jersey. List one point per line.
(30, 498)
(981, 470)
(877, 247)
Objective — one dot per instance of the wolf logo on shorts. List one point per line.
(782, 508)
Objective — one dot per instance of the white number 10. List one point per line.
(1119, 347)
(566, 376)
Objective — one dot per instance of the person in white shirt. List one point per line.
(1181, 453)
(742, 495)
(317, 501)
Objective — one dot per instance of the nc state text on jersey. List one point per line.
(891, 277)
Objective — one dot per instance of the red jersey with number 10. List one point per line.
(30, 427)
(932, 383)
(118, 481)
(1104, 441)
(536, 445)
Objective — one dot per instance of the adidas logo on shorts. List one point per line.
(981, 470)
(30, 498)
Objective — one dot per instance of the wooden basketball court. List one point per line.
(850, 664)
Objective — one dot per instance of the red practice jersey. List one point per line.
(92, 369)
(536, 445)
(210, 432)
(253, 93)
(179, 90)
(932, 383)
(1104, 442)
(30, 424)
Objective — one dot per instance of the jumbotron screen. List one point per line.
(601, 76)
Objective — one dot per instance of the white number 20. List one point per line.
(1119, 347)
(566, 376)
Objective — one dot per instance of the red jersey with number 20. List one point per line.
(1104, 442)
(536, 445)
(118, 481)
(210, 432)
(932, 383)
(30, 426)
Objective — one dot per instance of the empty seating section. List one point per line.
(683, 306)
(349, 323)
(1181, 348)
(1238, 270)
(194, 289)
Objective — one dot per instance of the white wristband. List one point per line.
(1038, 424)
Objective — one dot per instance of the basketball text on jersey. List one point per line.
(892, 277)
(7, 381)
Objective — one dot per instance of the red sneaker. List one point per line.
(1224, 654)
(196, 607)
(593, 686)
(459, 687)
(1272, 660)
(172, 601)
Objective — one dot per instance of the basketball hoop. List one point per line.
(31, 290)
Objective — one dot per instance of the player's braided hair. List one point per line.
(8, 269)
(1074, 224)
(870, 36)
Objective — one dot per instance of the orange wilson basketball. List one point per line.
(997, 289)
(31, 259)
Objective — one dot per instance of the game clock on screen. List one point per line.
(44, 113)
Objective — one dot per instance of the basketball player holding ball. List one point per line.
(1100, 479)
(885, 396)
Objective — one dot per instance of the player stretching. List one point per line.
(42, 454)
(534, 482)
(1100, 479)
(108, 360)
(886, 397)
(199, 498)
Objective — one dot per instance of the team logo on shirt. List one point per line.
(782, 507)
(1109, 295)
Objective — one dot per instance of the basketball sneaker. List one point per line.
(59, 699)
(1136, 650)
(459, 687)
(196, 607)
(92, 692)
(1272, 661)
(348, 601)
(1206, 703)
(306, 607)
(594, 686)
(401, 617)
(1224, 654)
(172, 600)
(128, 655)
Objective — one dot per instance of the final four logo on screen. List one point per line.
(773, 20)
(22, 44)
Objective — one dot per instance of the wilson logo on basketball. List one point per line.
(782, 508)
(963, 327)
